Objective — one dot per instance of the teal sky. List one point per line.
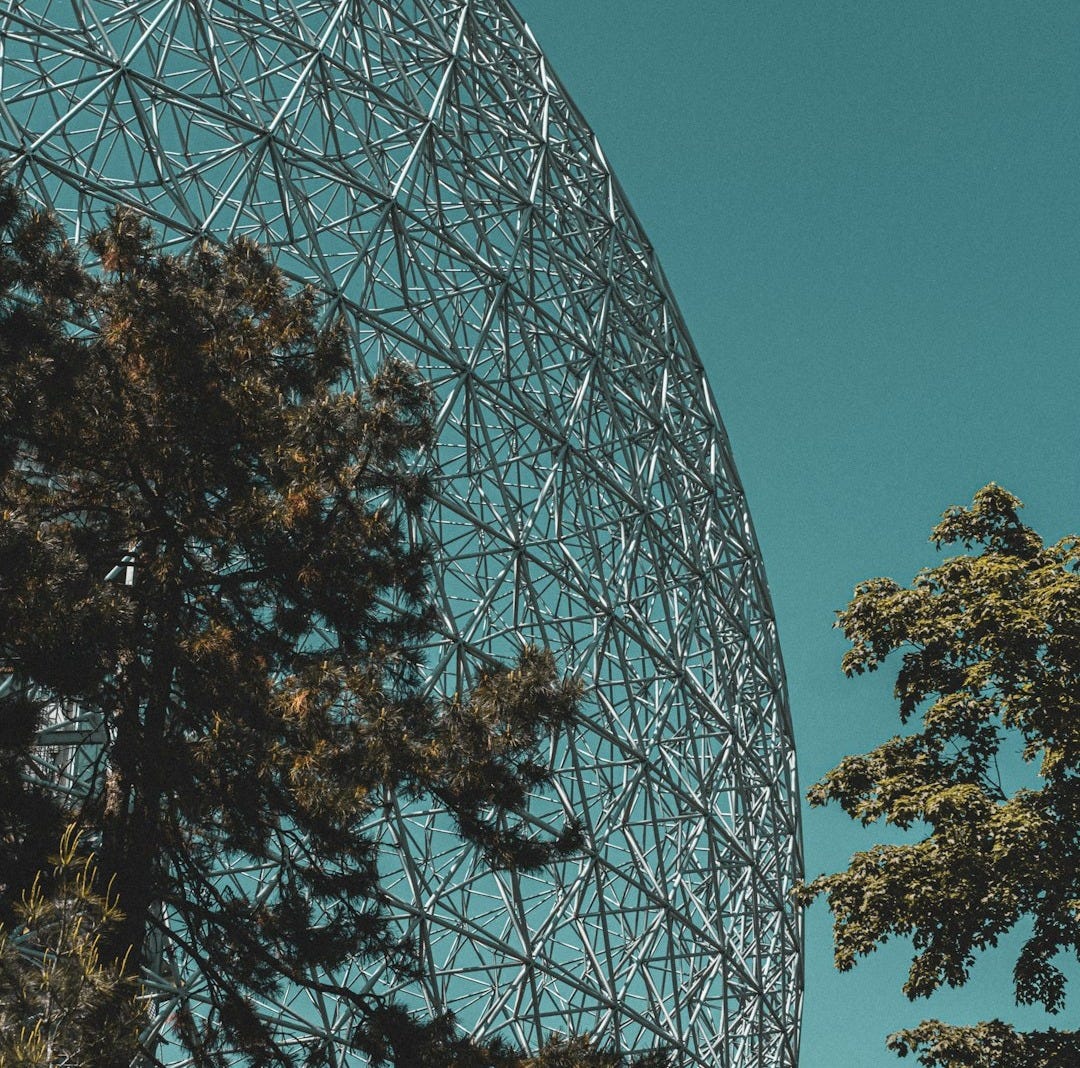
(869, 215)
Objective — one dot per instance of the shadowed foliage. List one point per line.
(208, 542)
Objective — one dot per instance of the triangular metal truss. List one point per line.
(419, 163)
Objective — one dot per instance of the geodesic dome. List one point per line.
(418, 162)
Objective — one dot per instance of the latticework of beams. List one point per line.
(418, 162)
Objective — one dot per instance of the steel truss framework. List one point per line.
(418, 161)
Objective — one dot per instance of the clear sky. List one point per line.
(869, 215)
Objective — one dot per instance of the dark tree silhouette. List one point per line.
(183, 420)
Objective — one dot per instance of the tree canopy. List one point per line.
(208, 541)
(989, 674)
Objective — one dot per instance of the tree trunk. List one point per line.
(134, 790)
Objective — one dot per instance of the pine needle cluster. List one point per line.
(54, 985)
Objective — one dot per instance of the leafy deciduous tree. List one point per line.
(990, 665)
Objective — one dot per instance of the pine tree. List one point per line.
(207, 540)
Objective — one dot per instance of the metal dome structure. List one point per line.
(419, 163)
